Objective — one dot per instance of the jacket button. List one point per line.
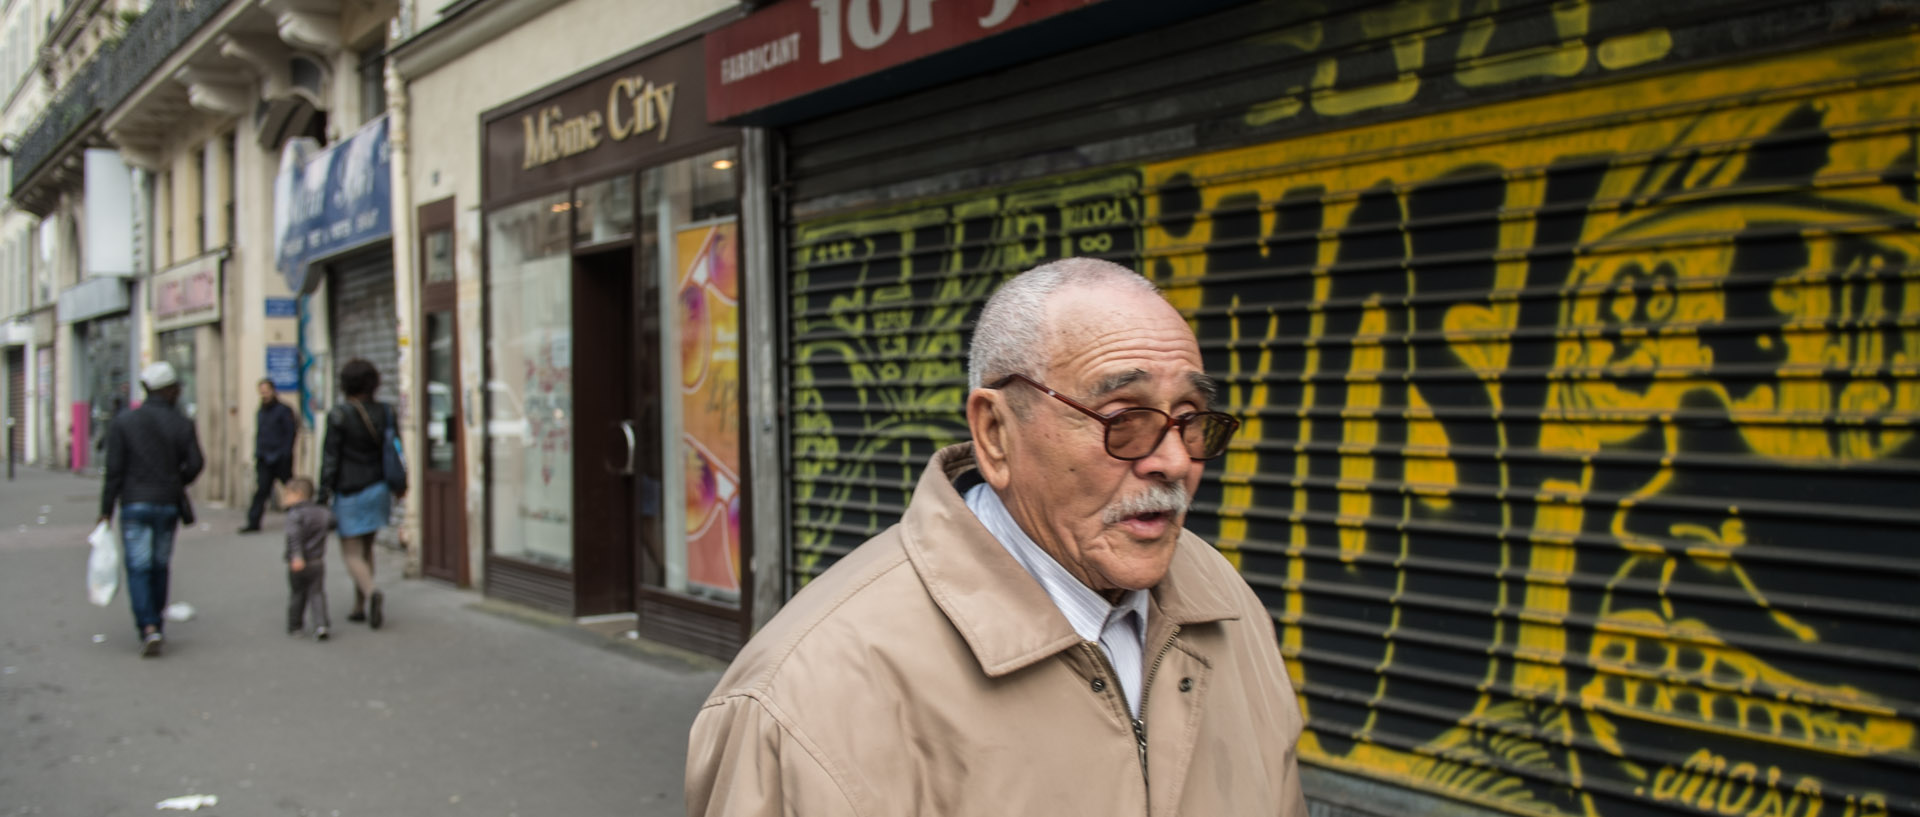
(1186, 684)
(1099, 684)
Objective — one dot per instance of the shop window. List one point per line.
(603, 211)
(530, 382)
(690, 245)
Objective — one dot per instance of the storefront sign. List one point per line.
(282, 308)
(188, 294)
(798, 47)
(610, 122)
(335, 200)
(283, 367)
(635, 106)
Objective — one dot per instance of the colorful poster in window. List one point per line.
(707, 313)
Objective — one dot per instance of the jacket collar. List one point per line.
(1004, 615)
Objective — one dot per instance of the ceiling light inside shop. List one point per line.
(723, 164)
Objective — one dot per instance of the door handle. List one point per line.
(626, 428)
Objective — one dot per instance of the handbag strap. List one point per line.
(365, 419)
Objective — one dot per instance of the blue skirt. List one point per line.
(365, 512)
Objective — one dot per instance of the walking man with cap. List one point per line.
(153, 454)
(275, 429)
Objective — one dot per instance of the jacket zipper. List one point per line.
(1139, 724)
(1146, 686)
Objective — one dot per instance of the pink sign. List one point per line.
(187, 294)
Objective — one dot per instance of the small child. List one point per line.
(307, 527)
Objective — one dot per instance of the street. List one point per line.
(457, 707)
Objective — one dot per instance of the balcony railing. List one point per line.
(109, 78)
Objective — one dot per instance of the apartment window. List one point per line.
(373, 85)
(200, 214)
(232, 189)
(168, 212)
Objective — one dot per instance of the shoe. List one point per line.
(250, 529)
(356, 617)
(374, 618)
(150, 646)
(296, 632)
(320, 633)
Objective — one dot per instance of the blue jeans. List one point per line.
(146, 539)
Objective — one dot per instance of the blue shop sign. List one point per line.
(282, 308)
(283, 367)
(334, 200)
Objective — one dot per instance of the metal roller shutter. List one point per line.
(1578, 347)
(366, 324)
(365, 318)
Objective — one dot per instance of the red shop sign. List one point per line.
(797, 47)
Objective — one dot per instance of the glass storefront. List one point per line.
(104, 380)
(689, 238)
(530, 384)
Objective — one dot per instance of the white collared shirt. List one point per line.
(1120, 630)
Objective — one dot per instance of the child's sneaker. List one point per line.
(320, 633)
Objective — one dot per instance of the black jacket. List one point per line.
(153, 454)
(276, 427)
(351, 458)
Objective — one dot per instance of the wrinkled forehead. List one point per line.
(1098, 333)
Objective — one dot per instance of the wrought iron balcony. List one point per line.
(107, 80)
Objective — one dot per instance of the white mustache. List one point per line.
(1161, 497)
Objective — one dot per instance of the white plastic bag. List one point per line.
(103, 566)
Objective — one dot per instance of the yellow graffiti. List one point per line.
(1708, 783)
(1678, 672)
(1409, 27)
(1645, 310)
(901, 347)
(1733, 285)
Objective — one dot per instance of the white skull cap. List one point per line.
(159, 375)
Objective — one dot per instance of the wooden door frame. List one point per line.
(444, 296)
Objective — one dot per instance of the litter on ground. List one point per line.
(187, 802)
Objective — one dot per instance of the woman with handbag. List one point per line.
(356, 473)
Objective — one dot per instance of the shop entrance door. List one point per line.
(443, 523)
(613, 450)
(443, 462)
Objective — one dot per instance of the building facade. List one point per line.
(578, 230)
(153, 174)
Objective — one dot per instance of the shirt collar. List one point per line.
(997, 607)
(1087, 611)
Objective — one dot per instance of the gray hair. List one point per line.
(1011, 335)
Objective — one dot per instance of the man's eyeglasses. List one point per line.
(1134, 433)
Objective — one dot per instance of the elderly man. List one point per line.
(1038, 635)
(153, 454)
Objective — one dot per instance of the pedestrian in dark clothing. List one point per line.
(307, 527)
(153, 454)
(353, 475)
(275, 430)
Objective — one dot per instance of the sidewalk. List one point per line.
(457, 707)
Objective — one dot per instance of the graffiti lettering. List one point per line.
(1567, 449)
(1411, 28)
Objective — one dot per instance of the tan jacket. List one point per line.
(928, 674)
